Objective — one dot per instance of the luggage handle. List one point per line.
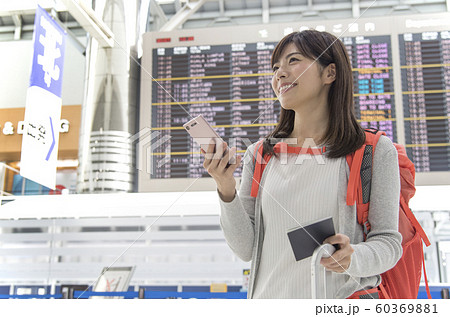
(323, 251)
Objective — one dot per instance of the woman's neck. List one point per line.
(310, 125)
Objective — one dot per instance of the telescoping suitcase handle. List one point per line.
(318, 270)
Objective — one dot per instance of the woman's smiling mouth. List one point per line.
(285, 87)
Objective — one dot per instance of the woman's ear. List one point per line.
(329, 74)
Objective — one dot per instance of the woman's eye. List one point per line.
(275, 68)
(293, 59)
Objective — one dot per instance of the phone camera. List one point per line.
(187, 127)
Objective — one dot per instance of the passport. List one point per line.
(304, 240)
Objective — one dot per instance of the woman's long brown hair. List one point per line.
(344, 134)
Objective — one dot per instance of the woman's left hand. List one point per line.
(339, 260)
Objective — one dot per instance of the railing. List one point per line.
(30, 296)
(174, 251)
(438, 292)
(142, 294)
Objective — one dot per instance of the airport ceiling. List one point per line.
(17, 17)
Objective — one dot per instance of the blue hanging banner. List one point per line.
(43, 107)
(49, 42)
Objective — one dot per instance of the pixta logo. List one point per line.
(147, 143)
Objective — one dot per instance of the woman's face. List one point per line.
(297, 80)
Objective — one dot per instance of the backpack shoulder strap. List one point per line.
(359, 184)
(258, 148)
(360, 164)
(259, 164)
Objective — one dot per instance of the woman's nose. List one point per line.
(281, 73)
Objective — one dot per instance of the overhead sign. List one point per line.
(43, 105)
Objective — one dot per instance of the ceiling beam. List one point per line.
(158, 14)
(393, 3)
(311, 11)
(90, 22)
(265, 11)
(222, 7)
(177, 5)
(272, 11)
(157, 11)
(17, 19)
(356, 10)
(222, 17)
(78, 45)
(24, 7)
(317, 7)
(30, 27)
(182, 15)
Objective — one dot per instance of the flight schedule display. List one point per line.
(425, 68)
(373, 82)
(230, 85)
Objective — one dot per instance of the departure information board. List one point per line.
(230, 85)
(373, 82)
(425, 68)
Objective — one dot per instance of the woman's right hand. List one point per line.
(216, 160)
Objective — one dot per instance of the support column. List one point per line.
(109, 112)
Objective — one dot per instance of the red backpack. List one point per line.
(402, 281)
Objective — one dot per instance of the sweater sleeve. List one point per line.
(382, 248)
(237, 218)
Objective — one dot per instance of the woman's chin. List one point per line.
(287, 106)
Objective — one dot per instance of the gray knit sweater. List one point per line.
(242, 223)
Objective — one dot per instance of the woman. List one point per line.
(313, 82)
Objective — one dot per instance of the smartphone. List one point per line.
(202, 132)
